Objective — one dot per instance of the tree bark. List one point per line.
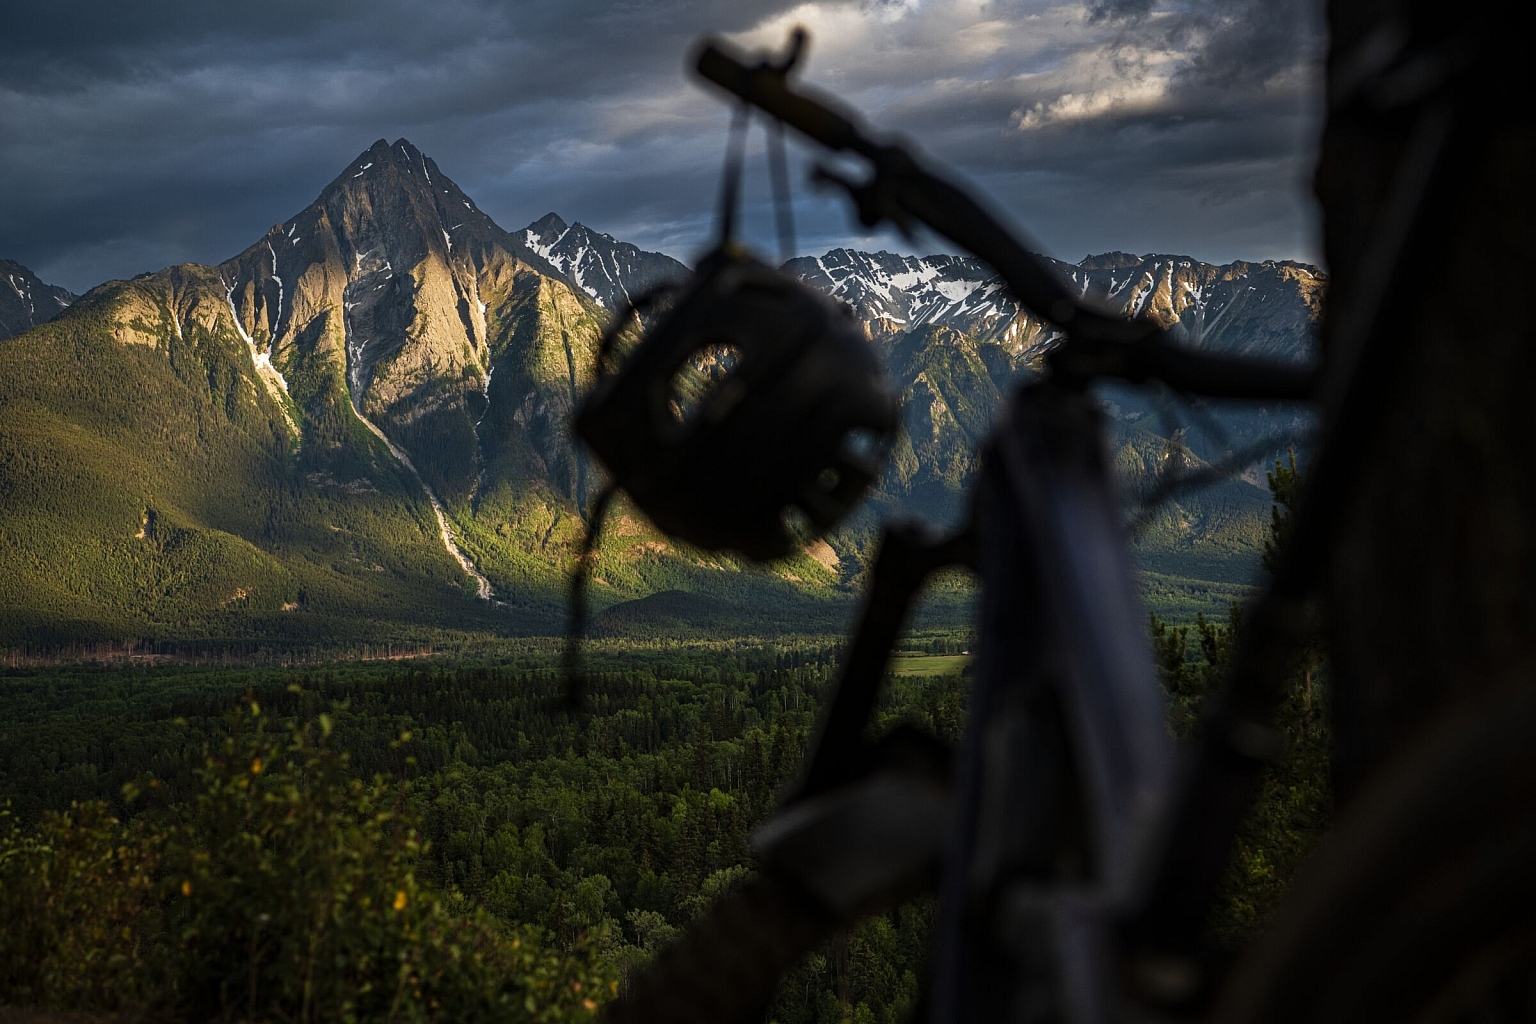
(1432, 587)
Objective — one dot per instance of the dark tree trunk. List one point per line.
(1432, 588)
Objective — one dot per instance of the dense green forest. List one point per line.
(444, 838)
(587, 839)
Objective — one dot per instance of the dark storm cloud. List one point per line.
(1231, 43)
(139, 135)
(1142, 125)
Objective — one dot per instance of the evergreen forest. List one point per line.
(443, 838)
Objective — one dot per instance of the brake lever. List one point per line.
(798, 37)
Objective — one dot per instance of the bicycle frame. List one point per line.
(1066, 766)
(1055, 837)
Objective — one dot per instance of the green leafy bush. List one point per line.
(78, 910)
(286, 890)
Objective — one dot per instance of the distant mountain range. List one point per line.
(1268, 309)
(357, 424)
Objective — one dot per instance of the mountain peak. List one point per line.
(1115, 260)
(26, 301)
(385, 268)
(548, 228)
(401, 154)
(610, 271)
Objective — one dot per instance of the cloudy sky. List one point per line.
(133, 136)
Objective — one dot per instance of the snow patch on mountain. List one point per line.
(270, 376)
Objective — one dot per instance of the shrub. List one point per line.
(78, 912)
(286, 890)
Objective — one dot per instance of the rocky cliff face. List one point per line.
(394, 296)
(26, 301)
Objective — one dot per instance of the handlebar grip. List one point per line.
(728, 960)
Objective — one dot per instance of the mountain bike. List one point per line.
(1075, 857)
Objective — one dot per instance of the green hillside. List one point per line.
(149, 488)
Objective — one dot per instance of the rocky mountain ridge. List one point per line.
(610, 271)
(955, 342)
(1262, 308)
(26, 301)
(1267, 309)
(389, 375)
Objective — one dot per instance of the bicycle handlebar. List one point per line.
(902, 190)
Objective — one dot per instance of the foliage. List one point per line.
(1294, 804)
(617, 825)
(80, 910)
(1285, 484)
(286, 890)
